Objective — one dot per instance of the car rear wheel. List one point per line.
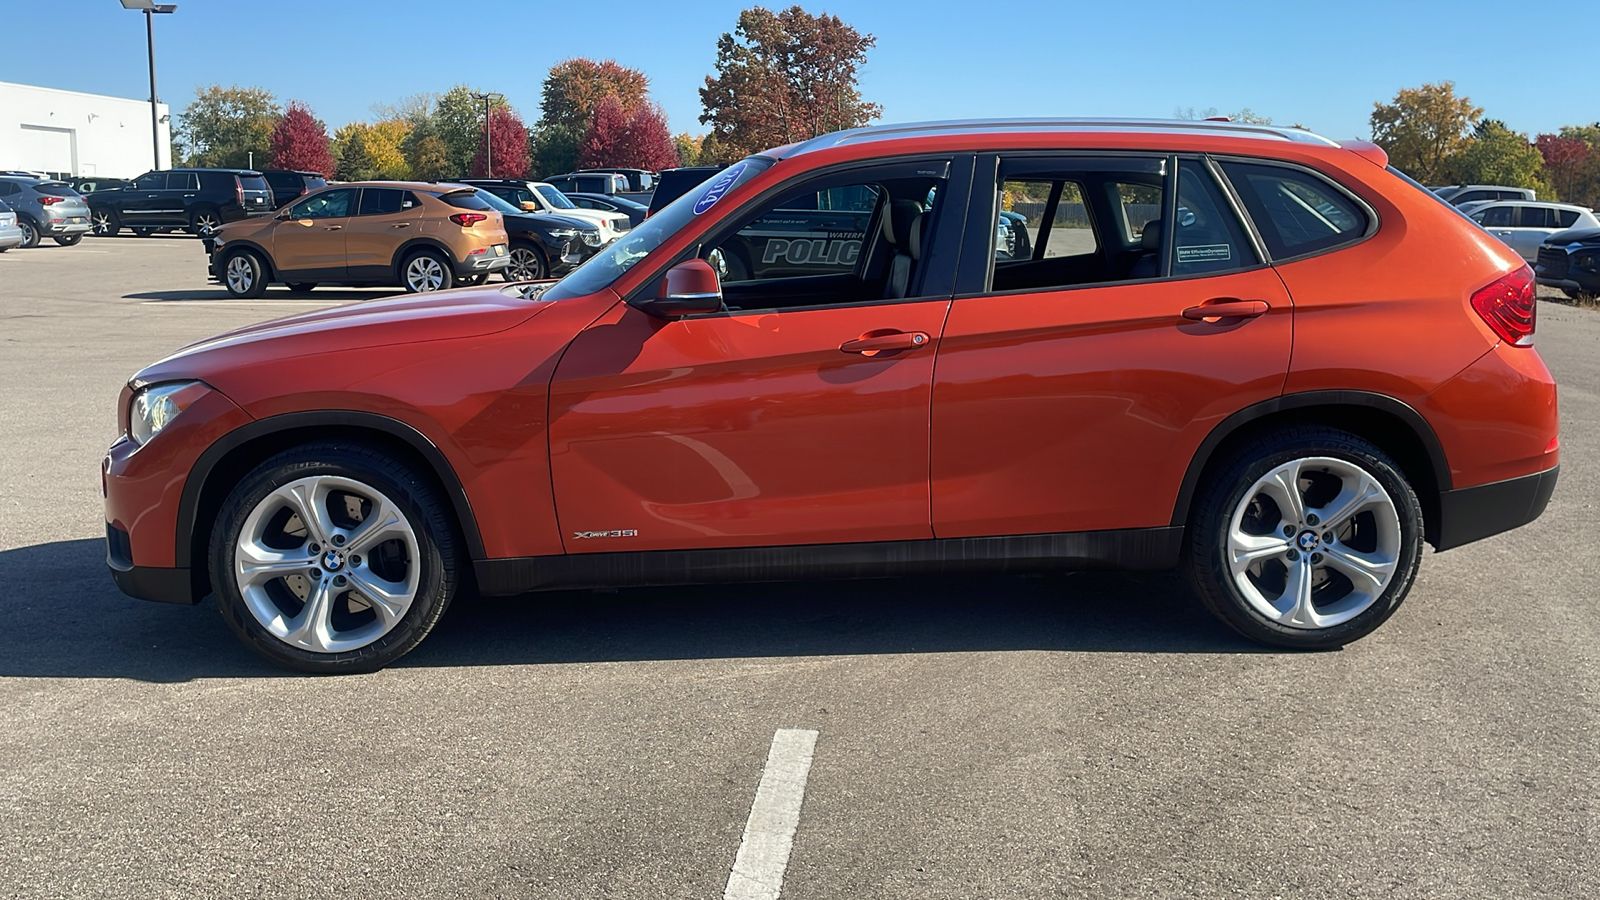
(333, 558)
(30, 233)
(1308, 538)
(68, 240)
(527, 263)
(243, 275)
(204, 222)
(104, 223)
(426, 271)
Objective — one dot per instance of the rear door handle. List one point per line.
(1227, 309)
(401, 225)
(872, 344)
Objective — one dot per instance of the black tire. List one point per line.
(68, 240)
(474, 280)
(418, 501)
(244, 285)
(441, 278)
(302, 287)
(105, 222)
(30, 232)
(204, 221)
(528, 263)
(1207, 566)
(144, 232)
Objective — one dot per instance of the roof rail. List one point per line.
(1000, 126)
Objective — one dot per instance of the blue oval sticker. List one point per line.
(718, 187)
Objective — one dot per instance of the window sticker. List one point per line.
(1205, 253)
(718, 187)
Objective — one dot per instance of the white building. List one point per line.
(68, 133)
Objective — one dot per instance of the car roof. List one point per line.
(409, 185)
(1476, 205)
(955, 127)
(210, 169)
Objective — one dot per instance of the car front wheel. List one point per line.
(244, 276)
(527, 263)
(333, 558)
(1308, 538)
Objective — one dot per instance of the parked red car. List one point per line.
(1229, 349)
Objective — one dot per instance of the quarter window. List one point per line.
(1296, 212)
(1566, 218)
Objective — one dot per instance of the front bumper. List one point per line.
(161, 585)
(1474, 513)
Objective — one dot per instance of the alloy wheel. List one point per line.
(30, 235)
(1314, 543)
(241, 275)
(100, 222)
(206, 224)
(525, 265)
(327, 564)
(424, 273)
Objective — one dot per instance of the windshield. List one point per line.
(609, 264)
(498, 204)
(554, 197)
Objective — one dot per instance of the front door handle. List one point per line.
(874, 343)
(1227, 309)
(334, 227)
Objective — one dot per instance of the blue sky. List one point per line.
(1322, 65)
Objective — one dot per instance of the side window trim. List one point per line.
(1373, 220)
(1236, 205)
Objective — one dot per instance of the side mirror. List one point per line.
(283, 214)
(530, 206)
(689, 288)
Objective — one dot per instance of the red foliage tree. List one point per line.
(300, 142)
(507, 148)
(1566, 162)
(606, 137)
(635, 140)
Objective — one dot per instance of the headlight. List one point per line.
(156, 406)
(563, 234)
(592, 238)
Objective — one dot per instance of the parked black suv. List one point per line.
(674, 183)
(1570, 260)
(289, 185)
(196, 199)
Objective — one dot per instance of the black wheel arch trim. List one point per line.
(194, 485)
(1308, 400)
(409, 247)
(261, 253)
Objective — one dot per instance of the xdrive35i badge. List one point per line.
(619, 532)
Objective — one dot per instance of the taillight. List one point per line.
(1508, 307)
(47, 201)
(238, 190)
(467, 220)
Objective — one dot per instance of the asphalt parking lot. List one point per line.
(1087, 736)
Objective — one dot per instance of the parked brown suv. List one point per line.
(416, 235)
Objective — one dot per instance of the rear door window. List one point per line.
(1208, 237)
(1535, 217)
(380, 201)
(1295, 211)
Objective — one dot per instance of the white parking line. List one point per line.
(769, 832)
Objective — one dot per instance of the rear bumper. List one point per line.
(10, 237)
(1474, 513)
(56, 229)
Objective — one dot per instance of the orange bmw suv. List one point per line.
(1222, 348)
(416, 235)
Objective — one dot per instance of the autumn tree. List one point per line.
(688, 147)
(226, 125)
(574, 88)
(783, 77)
(378, 155)
(603, 141)
(1423, 128)
(1498, 155)
(503, 148)
(428, 158)
(1566, 160)
(300, 142)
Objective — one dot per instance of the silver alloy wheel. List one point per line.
(205, 224)
(327, 564)
(424, 273)
(241, 275)
(525, 265)
(28, 235)
(1314, 543)
(100, 222)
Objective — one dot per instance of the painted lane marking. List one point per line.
(769, 832)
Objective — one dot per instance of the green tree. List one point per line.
(1498, 155)
(458, 123)
(784, 77)
(688, 147)
(356, 162)
(429, 159)
(553, 149)
(574, 88)
(1423, 128)
(226, 125)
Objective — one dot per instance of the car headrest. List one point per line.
(1151, 239)
(897, 224)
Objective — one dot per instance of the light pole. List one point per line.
(488, 139)
(150, 9)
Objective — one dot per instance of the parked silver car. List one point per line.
(45, 208)
(1523, 226)
(1457, 194)
(10, 233)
